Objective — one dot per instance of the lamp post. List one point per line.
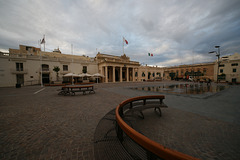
(218, 55)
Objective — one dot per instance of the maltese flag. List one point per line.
(125, 40)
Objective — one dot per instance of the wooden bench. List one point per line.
(71, 90)
(139, 105)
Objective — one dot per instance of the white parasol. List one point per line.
(70, 75)
(86, 75)
(98, 75)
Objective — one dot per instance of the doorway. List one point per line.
(45, 78)
(20, 78)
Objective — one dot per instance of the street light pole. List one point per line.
(218, 55)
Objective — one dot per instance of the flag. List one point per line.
(42, 41)
(150, 54)
(125, 40)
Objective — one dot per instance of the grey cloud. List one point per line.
(170, 30)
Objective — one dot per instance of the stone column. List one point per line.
(137, 73)
(106, 74)
(120, 74)
(127, 74)
(114, 74)
(133, 70)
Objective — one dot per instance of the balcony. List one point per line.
(45, 70)
(64, 72)
(19, 71)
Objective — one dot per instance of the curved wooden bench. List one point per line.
(153, 148)
(145, 103)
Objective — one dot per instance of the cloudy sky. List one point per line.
(175, 31)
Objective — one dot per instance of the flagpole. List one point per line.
(123, 45)
(72, 61)
(41, 64)
(44, 41)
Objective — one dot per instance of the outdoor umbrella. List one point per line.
(81, 75)
(98, 75)
(86, 75)
(71, 75)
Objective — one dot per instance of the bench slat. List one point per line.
(140, 105)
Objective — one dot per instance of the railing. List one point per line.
(19, 71)
(120, 61)
(153, 149)
(45, 69)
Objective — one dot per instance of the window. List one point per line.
(234, 70)
(65, 67)
(45, 67)
(136, 74)
(221, 65)
(159, 74)
(153, 74)
(19, 66)
(204, 71)
(143, 74)
(85, 69)
(221, 70)
(234, 64)
(29, 49)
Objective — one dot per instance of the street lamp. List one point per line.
(218, 55)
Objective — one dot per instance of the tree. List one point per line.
(56, 69)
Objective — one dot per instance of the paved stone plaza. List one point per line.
(37, 123)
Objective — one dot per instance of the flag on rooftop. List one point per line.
(125, 40)
(42, 41)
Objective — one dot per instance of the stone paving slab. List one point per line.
(48, 126)
(192, 134)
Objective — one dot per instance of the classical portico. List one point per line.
(117, 68)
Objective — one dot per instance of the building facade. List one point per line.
(150, 73)
(117, 68)
(30, 66)
(121, 68)
(203, 71)
(229, 68)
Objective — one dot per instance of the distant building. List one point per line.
(30, 66)
(117, 68)
(150, 73)
(202, 71)
(229, 68)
